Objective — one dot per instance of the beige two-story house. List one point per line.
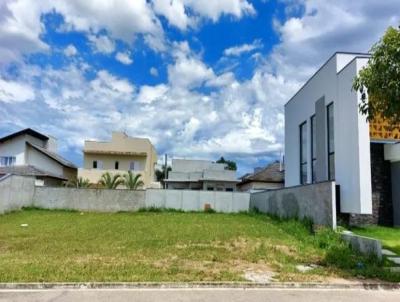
(120, 155)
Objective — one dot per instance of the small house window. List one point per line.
(116, 165)
(7, 161)
(132, 166)
(210, 188)
(95, 164)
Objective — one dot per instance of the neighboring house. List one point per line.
(120, 155)
(200, 175)
(31, 153)
(326, 138)
(269, 177)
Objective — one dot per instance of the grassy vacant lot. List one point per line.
(390, 237)
(170, 246)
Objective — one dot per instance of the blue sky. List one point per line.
(200, 78)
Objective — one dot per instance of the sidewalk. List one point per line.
(202, 294)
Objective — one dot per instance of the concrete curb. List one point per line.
(198, 285)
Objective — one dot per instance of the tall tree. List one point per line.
(161, 175)
(381, 79)
(231, 165)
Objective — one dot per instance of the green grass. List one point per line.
(390, 237)
(69, 246)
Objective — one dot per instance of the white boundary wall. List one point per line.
(188, 200)
(20, 191)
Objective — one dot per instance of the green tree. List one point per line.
(231, 165)
(161, 175)
(381, 79)
(132, 181)
(79, 183)
(110, 181)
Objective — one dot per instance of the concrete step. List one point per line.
(386, 252)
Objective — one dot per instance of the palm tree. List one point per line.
(78, 183)
(109, 181)
(132, 181)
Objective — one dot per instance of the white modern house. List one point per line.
(200, 175)
(326, 138)
(31, 153)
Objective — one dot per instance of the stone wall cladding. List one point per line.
(382, 208)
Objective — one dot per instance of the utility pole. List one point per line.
(165, 170)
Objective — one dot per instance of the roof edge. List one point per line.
(322, 66)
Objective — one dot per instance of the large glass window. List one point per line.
(331, 143)
(7, 161)
(313, 148)
(303, 153)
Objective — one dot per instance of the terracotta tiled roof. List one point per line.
(271, 173)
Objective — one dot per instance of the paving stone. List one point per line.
(388, 253)
(259, 277)
(305, 268)
(395, 259)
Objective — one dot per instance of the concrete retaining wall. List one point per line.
(365, 245)
(187, 200)
(98, 200)
(316, 202)
(15, 192)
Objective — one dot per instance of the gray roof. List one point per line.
(271, 173)
(53, 155)
(28, 170)
(29, 131)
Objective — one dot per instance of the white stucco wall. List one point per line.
(352, 145)
(14, 147)
(351, 132)
(300, 109)
(43, 162)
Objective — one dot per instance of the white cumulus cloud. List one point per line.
(124, 58)
(70, 50)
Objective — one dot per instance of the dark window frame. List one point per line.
(329, 107)
(116, 165)
(94, 165)
(313, 154)
(304, 124)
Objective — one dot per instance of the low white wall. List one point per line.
(189, 200)
(20, 191)
(16, 192)
(316, 202)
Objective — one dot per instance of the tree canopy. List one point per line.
(380, 79)
(231, 165)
